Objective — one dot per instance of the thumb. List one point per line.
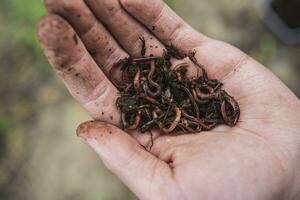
(142, 172)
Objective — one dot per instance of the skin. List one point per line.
(258, 159)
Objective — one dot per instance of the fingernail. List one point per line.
(83, 129)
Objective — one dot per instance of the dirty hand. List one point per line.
(258, 159)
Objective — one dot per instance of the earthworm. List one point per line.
(143, 60)
(137, 80)
(176, 70)
(155, 116)
(198, 121)
(200, 101)
(128, 87)
(173, 124)
(187, 91)
(210, 126)
(152, 83)
(195, 61)
(189, 129)
(205, 96)
(136, 123)
(210, 89)
(236, 111)
(181, 65)
(187, 123)
(150, 99)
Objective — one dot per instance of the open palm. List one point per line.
(257, 159)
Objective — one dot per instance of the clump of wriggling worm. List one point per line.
(156, 97)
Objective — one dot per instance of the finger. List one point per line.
(98, 41)
(164, 23)
(220, 60)
(81, 75)
(143, 173)
(125, 28)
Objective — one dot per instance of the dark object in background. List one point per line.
(289, 11)
(283, 18)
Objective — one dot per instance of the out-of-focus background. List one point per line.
(40, 156)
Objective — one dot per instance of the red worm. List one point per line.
(196, 108)
(137, 80)
(155, 116)
(123, 116)
(181, 65)
(195, 61)
(210, 89)
(190, 117)
(197, 99)
(205, 96)
(198, 121)
(210, 126)
(174, 123)
(150, 99)
(136, 123)
(152, 83)
(187, 123)
(178, 74)
(143, 60)
(230, 121)
(128, 87)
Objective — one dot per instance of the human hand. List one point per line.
(257, 159)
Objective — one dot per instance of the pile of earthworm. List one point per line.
(156, 97)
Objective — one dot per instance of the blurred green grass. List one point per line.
(23, 70)
(23, 16)
(170, 2)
